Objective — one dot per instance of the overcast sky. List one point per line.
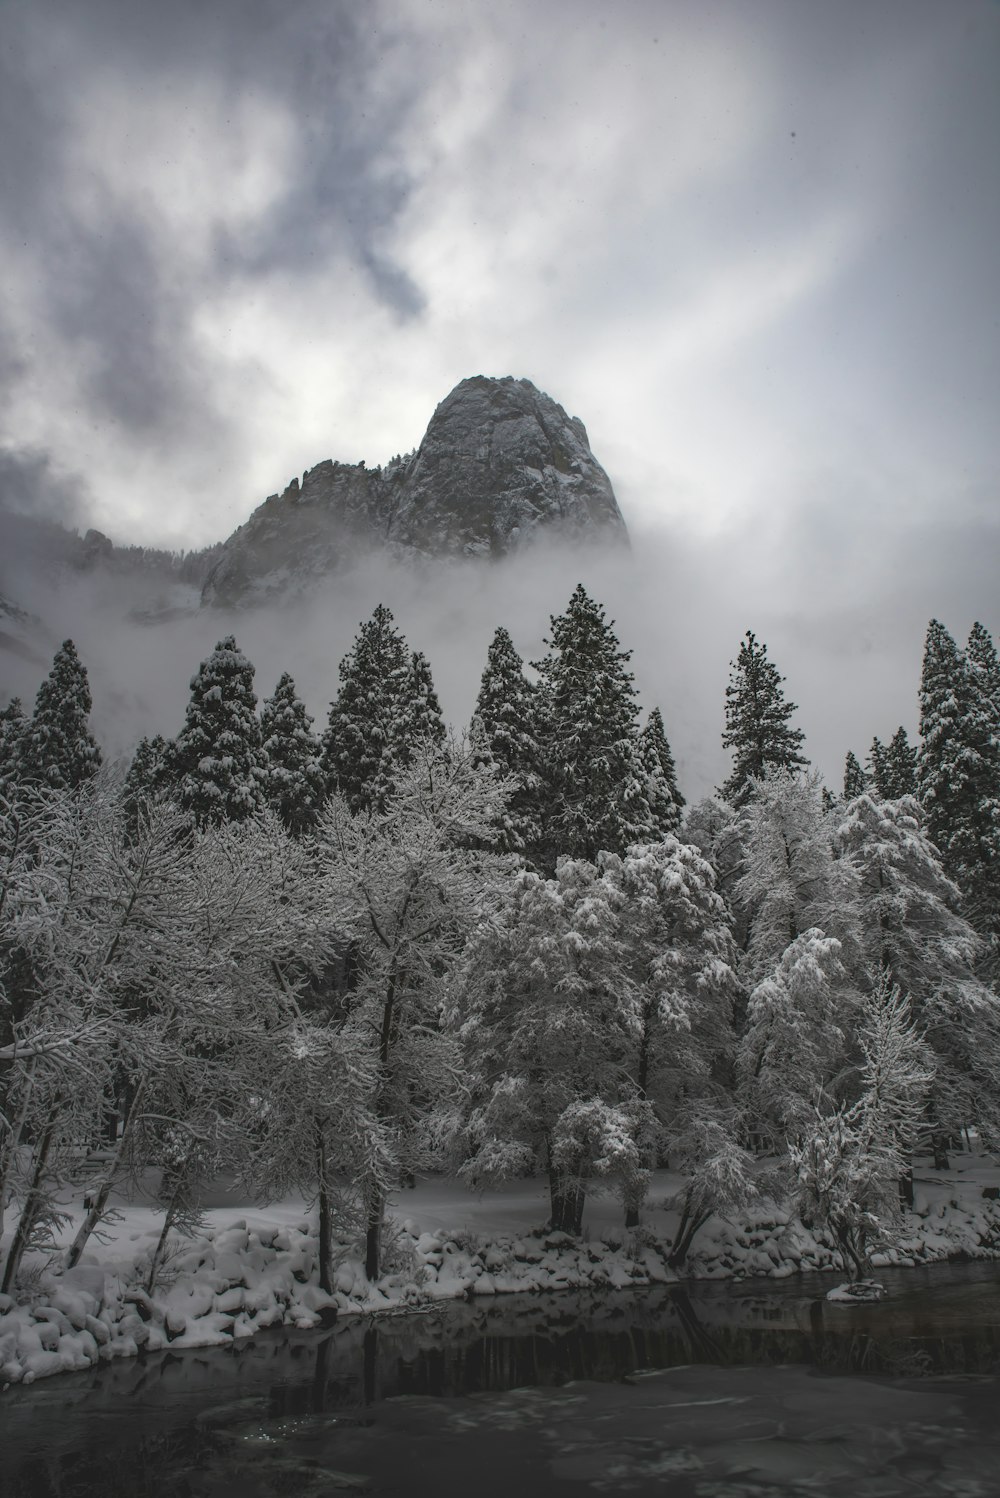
(754, 245)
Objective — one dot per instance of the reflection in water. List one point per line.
(436, 1396)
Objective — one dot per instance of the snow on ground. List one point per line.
(252, 1268)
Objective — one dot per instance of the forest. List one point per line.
(332, 962)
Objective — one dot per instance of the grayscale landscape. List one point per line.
(499, 748)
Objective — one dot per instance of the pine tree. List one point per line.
(662, 792)
(293, 778)
(57, 748)
(877, 769)
(13, 726)
(984, 670)
(421, 717)
(958, 771)
(899, 767)
(593, 779)
(855, 779)
(363, 745)
(145, 779)
(505, 716)
(216, 763)
(757, 728)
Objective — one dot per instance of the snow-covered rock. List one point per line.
(500, 464)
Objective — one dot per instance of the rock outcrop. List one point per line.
(500, 464)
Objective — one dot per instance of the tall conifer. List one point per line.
(293, 778)
(216, 763)
(958, 772)
(421, 716)
(145, 779)
(594, 782)
(13, 726)
(899, 767)
(57, 747)
(505, 715)
(385, 708)
(662, 791)
(855, 779)
(757, 728)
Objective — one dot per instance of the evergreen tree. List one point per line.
(293, 778)
(421, 718)
(899, 767)
(57, 748)
(757, 728)
(662, 792)
(364, 742)
(855, 779)
(216, 763)
(593, 778)
(878, 774)
(505, 714)
(958, 772)
(144, 780)
(984, 670)
(13, 725)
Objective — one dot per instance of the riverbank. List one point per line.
(253, 1268)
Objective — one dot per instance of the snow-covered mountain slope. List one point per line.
(500, 463)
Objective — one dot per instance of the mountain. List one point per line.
(500, 464)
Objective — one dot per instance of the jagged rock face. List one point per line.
(500, 464)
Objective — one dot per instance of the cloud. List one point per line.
(752, 247)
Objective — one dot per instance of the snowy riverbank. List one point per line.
(256, 1268)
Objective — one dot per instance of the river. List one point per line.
(722, 1390)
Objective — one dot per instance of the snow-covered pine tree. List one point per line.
(678, 962)
(981, 655)
(363, 744)
(505, 715)
(899, 767)
(422, 720)
(293, 778)
(144, 780)
(958, 771)
(57, 748)
(855, 779)
(875, 768)
(911, 928)
(791, 880)
(216, 763)
(662, 791)
(547, 1028)
(757, 728)
(593, 779)
(13, 725)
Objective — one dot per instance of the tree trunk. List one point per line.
(906, 1187)
(33, 1202)
(169, 1217)
(691, 1221)
(99, 1201)
(567, 1196)
(633, 1194)
(373, 1234)
(8, 1154)
(325, 1214)
(939, 1148)
(375, 1194)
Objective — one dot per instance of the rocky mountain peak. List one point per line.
(499, 464)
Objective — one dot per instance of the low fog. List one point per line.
(844, 624)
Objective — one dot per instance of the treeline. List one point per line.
(334, 961)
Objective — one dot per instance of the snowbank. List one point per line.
(260, 1270)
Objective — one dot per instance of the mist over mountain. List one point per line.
(500, 512)
(500, 464)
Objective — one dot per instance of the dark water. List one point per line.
(708, 1391)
